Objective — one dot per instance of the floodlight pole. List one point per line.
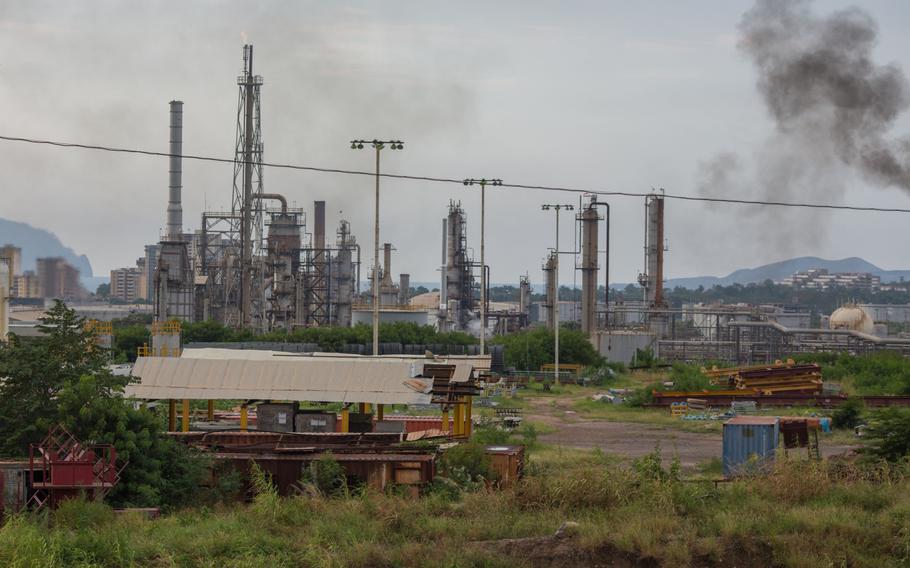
(378, 145)
(555, 306)
(483, 264)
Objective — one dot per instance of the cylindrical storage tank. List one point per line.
(749, 441)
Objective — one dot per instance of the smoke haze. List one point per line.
(833, 108)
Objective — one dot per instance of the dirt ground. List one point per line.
(630, 439)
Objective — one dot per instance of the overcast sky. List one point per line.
(624, 96)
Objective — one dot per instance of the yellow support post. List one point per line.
(380, 411)
(459, 418)
(468, 426)
(185, 422)
(445, 419)
(362, 408)
(243, 417)
(210, 415)
(345, 419)
(172, 415)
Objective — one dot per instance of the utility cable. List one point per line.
(722, 200)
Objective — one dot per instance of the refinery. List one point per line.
(264, 266)
(279, 382)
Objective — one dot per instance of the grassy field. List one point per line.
(801, 514)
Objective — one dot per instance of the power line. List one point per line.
(765, 203)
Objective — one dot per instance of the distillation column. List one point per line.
(589, 219)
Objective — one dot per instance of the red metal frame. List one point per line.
(61, 467)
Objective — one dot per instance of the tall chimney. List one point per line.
(404, 287)
(387, 265)
(175, 182)
(319, 225)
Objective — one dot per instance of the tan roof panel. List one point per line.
(279, 378)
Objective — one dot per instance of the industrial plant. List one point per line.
(265, 266)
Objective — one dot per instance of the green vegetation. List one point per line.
(803, 514)
(330, 338)
(879, 373)
(529, 350)
(103, 290)
(684, 378)
(60, 378)
(848, 414)
(889, 434)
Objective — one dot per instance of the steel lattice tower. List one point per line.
(246, 202)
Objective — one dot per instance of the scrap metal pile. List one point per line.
(376, 459)
(781, 377)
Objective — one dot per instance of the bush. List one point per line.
(848, 415)
(529, 350)
(889, 434)
(327, 476)
(467, 464)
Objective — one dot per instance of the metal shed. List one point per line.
(749, 441)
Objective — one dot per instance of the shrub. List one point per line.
(889, 434)
(848, 415)
(467, 464)
(327, 476)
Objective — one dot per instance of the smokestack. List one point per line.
(442, 270)
(319, 225)
(175, 181)
(387, 265)
(404, 286)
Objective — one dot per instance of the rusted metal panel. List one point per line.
(377, 470)
(417, 423)
(507, 462)
(13, 485)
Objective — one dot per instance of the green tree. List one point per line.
(159, 470)
(127, 341)
(103, 290)
(889, 433)
(529, 349)
(60, 377)
(34, 370)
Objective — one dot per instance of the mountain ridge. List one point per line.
(778, 270)
(41, 243)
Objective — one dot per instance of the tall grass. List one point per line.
(799, 513)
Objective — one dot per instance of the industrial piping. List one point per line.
(276, 197)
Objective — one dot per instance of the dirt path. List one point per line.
(631, 439)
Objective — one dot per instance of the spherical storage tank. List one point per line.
(851, 317)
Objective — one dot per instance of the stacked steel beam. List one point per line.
(787, 377)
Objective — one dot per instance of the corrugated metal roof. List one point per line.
(754, 420)
(464, 364)
(279, 378)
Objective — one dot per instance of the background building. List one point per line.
(126, 284)
(58, 279)
(821, 279)
(14, 254)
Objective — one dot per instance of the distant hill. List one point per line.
(39, 243)
(779, 270)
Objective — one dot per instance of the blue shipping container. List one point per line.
(748, 436)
